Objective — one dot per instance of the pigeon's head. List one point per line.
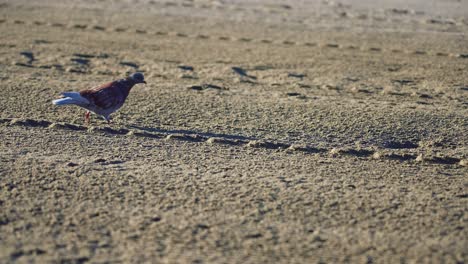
(137, 77)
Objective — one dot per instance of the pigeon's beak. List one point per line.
(144, 82)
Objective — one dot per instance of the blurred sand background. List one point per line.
(269, 132)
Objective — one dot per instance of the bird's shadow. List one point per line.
(191, 132)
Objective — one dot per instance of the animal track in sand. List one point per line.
(129, 64)
(336, 11)
(232, 140)
(87, 64)
(286, 42)
(332, 46)
(29, 55)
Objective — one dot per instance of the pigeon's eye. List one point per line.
(138, 77)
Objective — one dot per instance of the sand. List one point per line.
(268, 132)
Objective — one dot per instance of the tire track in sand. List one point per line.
(367, 153)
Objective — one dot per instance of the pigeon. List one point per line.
(104, 99)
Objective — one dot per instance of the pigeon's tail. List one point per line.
(71, 98)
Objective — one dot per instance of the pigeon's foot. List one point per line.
(108, 120)
(87, 117)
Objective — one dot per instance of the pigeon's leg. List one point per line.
(87, 117)
(107, 118)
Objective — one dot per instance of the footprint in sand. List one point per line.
(297, 75)
(88, 56)
(81, 61)
(129, 64)
(79, 26)
(29, 55)
(185, 67)
(97, 27)
(242, 72)
(392, 144)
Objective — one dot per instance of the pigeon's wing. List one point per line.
(103, 96)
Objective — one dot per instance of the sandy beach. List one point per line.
(268, 132)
